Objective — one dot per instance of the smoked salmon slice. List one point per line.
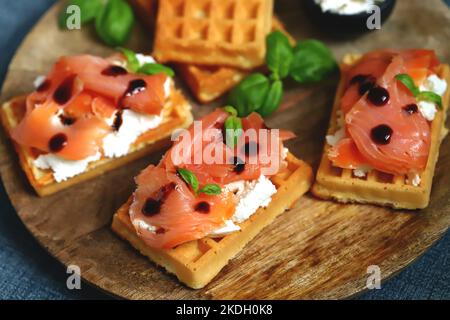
(69, 112)
(167, 212)
(384, 129)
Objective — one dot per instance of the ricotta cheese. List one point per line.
(118, 143)
(434, 84)
(347, 7)
(64, 169)
(414, 179)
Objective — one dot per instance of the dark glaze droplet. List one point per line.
(411, 108)
(118, 120)
(239, 165)
(67, 120)
(202, 207)
(251, 148)
(134, 87)
(44, 86)
(57, 142)
(63, 93)
(381, 134)
(114, 71)
(153, 205)
(359, 78)
(378, 96)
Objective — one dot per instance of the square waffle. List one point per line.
(196, 263)
(378, 187)
(177, 114)
(213, 32)
(207, 83)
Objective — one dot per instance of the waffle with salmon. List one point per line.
(177, 227)
(376, 186)
(175, 114)
(226, 32)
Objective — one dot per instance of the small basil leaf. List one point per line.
(249, 94)
(211, 189)
(408, 82)
(273, 99)
(190, 178)
(232, 111)
(132, 60)
(431, 97)
(88, 11)
(115, 22)
(233, 130)
(279, 54)
(156, 68)
(312, 62)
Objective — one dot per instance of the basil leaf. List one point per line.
(249, 94)
(231, 110)
(156, 68)
(431, 97)
(211, 189)
(115, 22)
(88, 11)
(132, 60)
(273, 99)
(190, 178)
(312, 62)
(408, 82)
(233, 129)
(279, 54)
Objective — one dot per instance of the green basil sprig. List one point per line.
(279, 54)
(309, 62)
(430, 96)
(249, 94)
(312, 62)
(89, 9)
(132, 61)
(190, 178)
(115, 22)
(134, 66)
(233, 130)
(156, 68)
(211, 189)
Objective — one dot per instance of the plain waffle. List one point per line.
(213, 32)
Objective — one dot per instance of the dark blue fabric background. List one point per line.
(28, 272)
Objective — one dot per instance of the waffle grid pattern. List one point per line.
(217, 32)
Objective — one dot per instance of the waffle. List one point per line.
(213, 32)
(378, 187)
(177, 115)
(207, 83)
(197, 262)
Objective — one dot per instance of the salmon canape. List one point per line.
(192, 217)
(386, 129)
(90, 115)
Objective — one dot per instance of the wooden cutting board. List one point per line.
(319, 249)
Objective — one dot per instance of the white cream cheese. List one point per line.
(347, 7)
(228, 228)
(251, 196)
(38, 81)
(117, 143)
(64, 169)
(434, 84)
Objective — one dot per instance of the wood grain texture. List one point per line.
(319, 249)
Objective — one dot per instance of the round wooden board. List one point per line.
(319, 249)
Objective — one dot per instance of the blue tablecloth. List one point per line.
(28, 272)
